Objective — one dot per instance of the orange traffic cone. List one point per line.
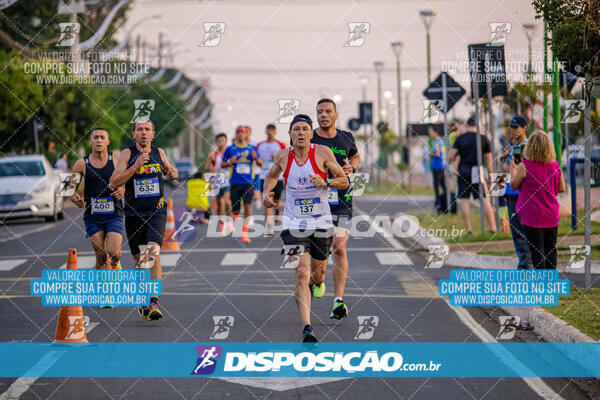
(170, 240)
(70, 327)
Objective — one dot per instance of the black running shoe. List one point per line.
(308, 336)
(154, 313)
(340, 310)
(144, 311)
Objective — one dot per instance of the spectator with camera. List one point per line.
(518, 140)
(539, 180)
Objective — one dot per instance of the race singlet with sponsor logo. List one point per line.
(144, 192)
(306, 205)
(96, 193)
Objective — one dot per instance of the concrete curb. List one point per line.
(397, 198)
(552, 328)
(467, 259)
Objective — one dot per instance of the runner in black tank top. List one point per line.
(344, 148)
(103, 216)
(100, 205)
(141, 169)
(144, 194)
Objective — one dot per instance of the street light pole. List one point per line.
(378, 69)
(397, 48)
(406, 84)
(427, 17)
(363, 83)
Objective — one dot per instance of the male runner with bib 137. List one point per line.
(306, 215)
(103, 216)
(344, 149)
(141, 168)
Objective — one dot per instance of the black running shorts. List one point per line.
(141, 230)
(316, 242)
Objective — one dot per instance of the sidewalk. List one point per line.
(507, 245)
(463, 255)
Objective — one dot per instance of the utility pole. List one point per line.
(363, 83)
(557, 136)
(475, 83)
(160, 48)
(397, 48)
(545, 76)
(491, 127)
(587, 169)
(137, 49)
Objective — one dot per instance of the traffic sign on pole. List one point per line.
(354, 124)
(493, 69)
(365, 113)
(454, 91)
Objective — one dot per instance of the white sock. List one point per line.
(337, 299)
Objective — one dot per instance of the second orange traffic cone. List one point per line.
(170, 240)
(70, 327)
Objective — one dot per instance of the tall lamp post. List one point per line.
(363, 83)
(407, 84)
(427, 16)
(397, 48)
(378, 69)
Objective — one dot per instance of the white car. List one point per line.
(28, 187)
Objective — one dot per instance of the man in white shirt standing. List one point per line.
(266, 152)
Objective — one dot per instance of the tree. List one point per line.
(33, 25)
(168, 115)
(575, 26)
(20, 98)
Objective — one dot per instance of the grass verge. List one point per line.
(581, 309)
(563, 252)
(446, 222)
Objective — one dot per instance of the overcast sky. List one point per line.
(296, 50)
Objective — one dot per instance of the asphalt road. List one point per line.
(223, 277)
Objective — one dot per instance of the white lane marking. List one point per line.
(9, 265)
(536, 384)
(280, 384)
(21, 385)
(203, 250)
(393, 258)
(29, 232)
(89, 262)
(239, 259)
(169, 259)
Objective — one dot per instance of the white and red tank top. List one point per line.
(266, 152)
(306, 206)
(218, 160)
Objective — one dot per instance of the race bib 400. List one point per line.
(103, 205)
